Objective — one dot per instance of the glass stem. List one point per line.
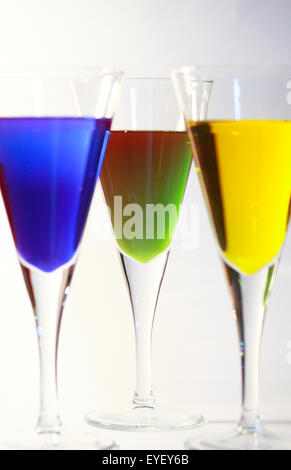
(144, 282)
(249, 296)
(47, 293)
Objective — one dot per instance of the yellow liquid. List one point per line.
(245, 171)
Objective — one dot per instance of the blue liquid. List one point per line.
(48, 171)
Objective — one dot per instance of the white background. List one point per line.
(195, 350)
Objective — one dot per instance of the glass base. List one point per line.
(272, 437)
(145, 419)
(57, 441)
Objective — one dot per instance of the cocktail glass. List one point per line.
(54, 128)
(242, 154)
(143, 179)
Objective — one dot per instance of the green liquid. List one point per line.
(145, 167)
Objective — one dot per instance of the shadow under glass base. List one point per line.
(57, 441)
(145, 419)
(275, 436)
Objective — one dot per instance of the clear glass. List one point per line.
(146, 168)
(54, 127)
(242, 156)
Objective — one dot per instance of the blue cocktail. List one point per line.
(54, 127)
(48, 170)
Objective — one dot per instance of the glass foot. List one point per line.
(145, 419)
(272, 437)
(57, 441)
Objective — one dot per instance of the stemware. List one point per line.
(54, 128)
(143, 179)
(242, 154)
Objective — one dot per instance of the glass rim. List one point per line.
(47, 71)
(202, 72)
(149, 78)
